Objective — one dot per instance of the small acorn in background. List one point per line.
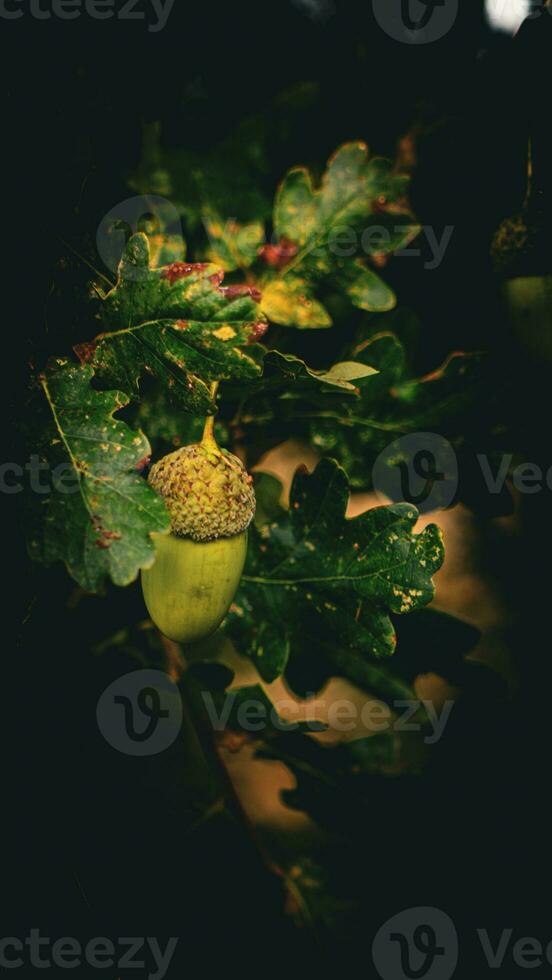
(522, 258)
(197, 569)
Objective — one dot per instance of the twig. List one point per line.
(176, 668)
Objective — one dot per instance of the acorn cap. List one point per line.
(207, 490)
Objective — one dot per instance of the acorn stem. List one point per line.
(208, 437)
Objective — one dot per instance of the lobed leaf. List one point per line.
(325, 233)
(176, 323)
(316, 576)
(98, 514)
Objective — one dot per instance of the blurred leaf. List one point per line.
(246, 709)
(291, 303)
(231, 245)
(230, 178)
(268, 494)
(166, 249)
(315, 898)
(224, 180)
(434, 642)
(364, 288)
(336, 785)
(323, 236)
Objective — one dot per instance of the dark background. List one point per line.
(74, 96)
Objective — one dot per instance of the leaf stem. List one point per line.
(347, 420)
(208, 438)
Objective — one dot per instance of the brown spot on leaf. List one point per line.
(105, 536)
(278, 255)
(241, 290)
(85, 351)
(179, 270)
(217, 277)
(258, 330)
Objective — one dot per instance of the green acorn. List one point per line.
(197, 569)
(520, 252)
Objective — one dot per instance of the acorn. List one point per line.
(520, 252)
(198, 566)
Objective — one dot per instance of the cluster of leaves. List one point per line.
(100, 515)
(313, 264)
(322, 594)
(354, 422)
(179, 325)
(320, 239)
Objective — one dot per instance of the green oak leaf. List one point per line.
(290, 302)
(364, 288)
(176, 323)
(351, 185)
(429, 641)
(327, 232)
(99, 513)
(315, 576)
(394, 404)
(275, 407)
(354, 422)
(315, 658)
(346, 376)
(232, 245)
